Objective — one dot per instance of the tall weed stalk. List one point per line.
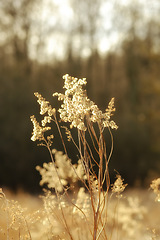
(84, 115)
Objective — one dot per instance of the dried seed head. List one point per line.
(118, 186)
(77, 107)
(155, 185)
(38, 131)
(45, 107)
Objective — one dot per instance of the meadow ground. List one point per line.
(135, 216)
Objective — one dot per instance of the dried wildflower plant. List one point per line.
(75, 204)
(61, 175)
(155, 185)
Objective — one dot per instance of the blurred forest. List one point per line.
(40, 41)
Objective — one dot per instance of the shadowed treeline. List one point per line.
(129, 72)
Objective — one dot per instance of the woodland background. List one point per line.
(129, 70)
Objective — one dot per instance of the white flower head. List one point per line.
(77, 107)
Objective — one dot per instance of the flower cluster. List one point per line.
(61, 173)
(77, 106)
(45, 108)
(38, 131)
(155, 185)
(118, 186)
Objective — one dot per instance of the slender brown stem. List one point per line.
(59, 130)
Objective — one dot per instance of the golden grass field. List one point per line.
(134, 216)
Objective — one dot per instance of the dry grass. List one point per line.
(139, 220)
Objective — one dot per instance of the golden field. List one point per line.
(134, 216)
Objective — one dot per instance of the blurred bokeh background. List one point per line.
(115, 44)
